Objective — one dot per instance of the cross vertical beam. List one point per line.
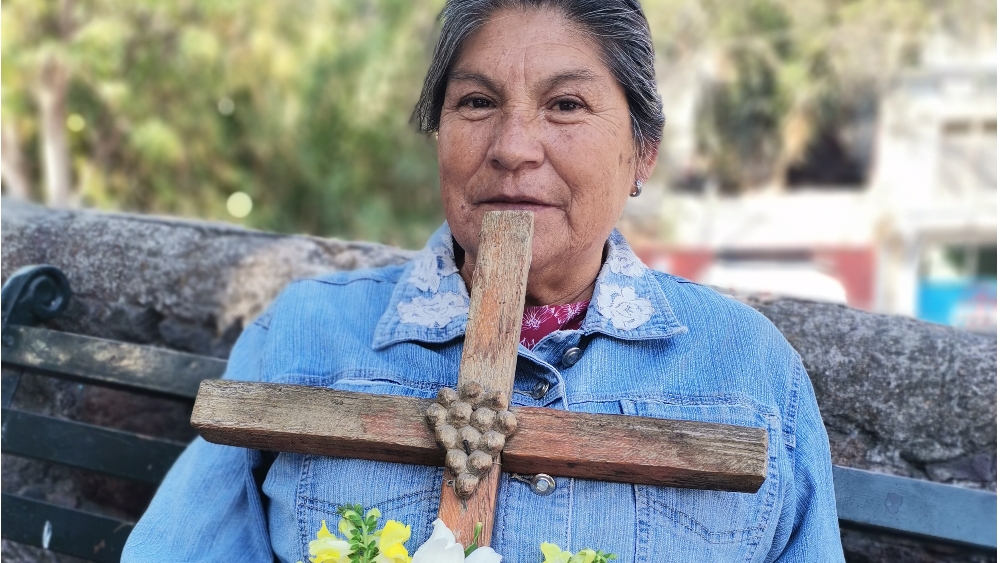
(489, 355)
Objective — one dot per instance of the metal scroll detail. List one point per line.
(34, 294)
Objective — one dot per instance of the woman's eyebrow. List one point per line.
(480, 79)
(561, 78)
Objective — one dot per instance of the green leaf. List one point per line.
(477, 531)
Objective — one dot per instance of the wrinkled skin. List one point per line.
(534, 120)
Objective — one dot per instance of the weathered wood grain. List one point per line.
(634, 449)
(315, 420)
(461, 516)
(625, 449)
(489, 354)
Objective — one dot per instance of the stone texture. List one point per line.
(897, 395)
(183, 284)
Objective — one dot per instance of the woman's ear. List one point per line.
(646, 163)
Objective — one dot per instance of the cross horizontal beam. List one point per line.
(625, 449)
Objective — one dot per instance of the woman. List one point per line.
(547, 106)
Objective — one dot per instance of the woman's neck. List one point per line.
(551, 284)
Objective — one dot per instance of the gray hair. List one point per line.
(619, 27)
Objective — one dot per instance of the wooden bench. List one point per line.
(885, 503)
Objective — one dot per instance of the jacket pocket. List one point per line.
(407, 493)
(313, 487)
(690, 525)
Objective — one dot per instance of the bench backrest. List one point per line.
(38, 293)
(864, 499)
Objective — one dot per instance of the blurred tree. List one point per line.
(171, 107)
(788, 76)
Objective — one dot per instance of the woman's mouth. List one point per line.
(514, 203)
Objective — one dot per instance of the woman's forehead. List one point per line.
(531, 47)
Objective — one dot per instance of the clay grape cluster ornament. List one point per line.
(472, 425)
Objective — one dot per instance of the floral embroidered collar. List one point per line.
(431, 303)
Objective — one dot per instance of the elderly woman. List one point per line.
(551, 107)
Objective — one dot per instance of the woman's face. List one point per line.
(534, 120)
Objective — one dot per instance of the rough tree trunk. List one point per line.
(15, 177)
(53, 82)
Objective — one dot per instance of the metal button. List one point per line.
(543, 485)
(571, 356)
(541, 388)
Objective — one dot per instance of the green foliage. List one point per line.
(303, 106)
(477, 531)
(360, 532)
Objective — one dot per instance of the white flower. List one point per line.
(484, 555)
(566, 312)
(535, 316)
(427, 271)
(622, 307)
(435, 311)
(442, 548)
(623, 262)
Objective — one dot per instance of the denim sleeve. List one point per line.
(810, 515)
(209, 506)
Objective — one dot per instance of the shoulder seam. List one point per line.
(672, 277)
(351, 276)
(789, 425)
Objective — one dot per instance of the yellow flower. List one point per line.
(553, 554)
(390, 543)
(328, 548)
(345, 527)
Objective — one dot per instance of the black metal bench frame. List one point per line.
(885, 503)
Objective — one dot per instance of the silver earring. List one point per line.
(638, 189)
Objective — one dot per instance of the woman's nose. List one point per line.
(516, 143)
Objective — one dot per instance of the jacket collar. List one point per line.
(430, 303)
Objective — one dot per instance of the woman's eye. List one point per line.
(477, 103)
(567, 105)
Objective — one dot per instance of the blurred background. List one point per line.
(840, 150)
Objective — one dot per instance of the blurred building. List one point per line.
(918, 237)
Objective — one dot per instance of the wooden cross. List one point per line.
(627, 449)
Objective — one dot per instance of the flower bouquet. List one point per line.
(363, 541)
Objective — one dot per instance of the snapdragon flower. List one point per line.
(390, 543)
(328, 548)
(441, 547)
(554, 554)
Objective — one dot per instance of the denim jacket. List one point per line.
(652, 345)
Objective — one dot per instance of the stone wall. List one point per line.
(897, 395)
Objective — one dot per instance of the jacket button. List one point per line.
(543, 485)
(541, 388)
(571, 356)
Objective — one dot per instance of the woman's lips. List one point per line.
(513, 203)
